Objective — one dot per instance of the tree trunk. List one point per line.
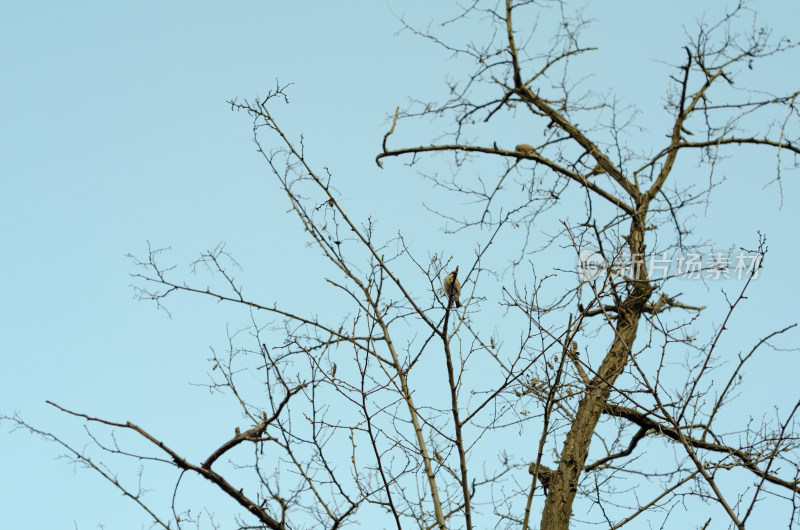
(564, 483)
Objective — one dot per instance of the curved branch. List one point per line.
(531, 155)
(182, 463)
(645, 422)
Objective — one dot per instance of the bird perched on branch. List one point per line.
(525, 149)
(598, 170)
(452, 287)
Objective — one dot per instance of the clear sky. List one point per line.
(114, 131)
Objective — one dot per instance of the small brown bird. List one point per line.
(598, 170)
(452, 287)
(525, 149)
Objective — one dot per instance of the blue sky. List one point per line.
(114, 131)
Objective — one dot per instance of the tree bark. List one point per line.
(564, 483)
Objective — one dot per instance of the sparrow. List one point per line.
(452, 287)
(525, 149)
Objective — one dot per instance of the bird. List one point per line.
(452, 287)
(525, 149)
(598, 170)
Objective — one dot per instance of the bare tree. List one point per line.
(397, 408)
